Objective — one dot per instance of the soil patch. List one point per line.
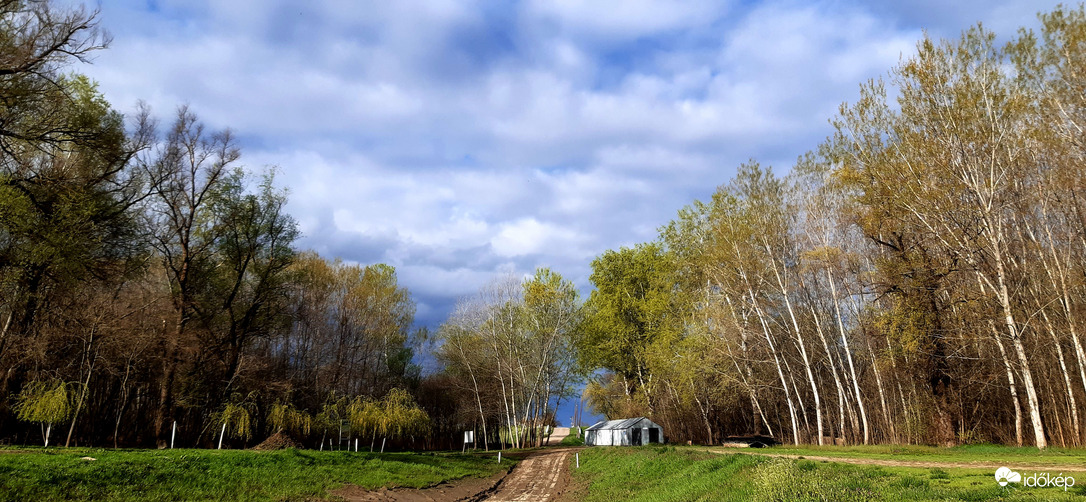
(460, 490)
(277, 441)
(541, 477)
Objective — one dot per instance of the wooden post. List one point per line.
(578, 455)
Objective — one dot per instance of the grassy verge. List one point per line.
(681, 474)
(959, 454)
(161, 475)
(573, 439)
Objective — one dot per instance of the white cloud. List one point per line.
(455, 139)
(627, 18)
(530, 236)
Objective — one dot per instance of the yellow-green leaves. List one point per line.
(636, 306)
(237, 416)
(45, 402)
(394, 416)
(284, 417)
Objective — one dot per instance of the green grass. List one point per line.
(573, 439)
(161, 475)
(681, 474)
(985, 453)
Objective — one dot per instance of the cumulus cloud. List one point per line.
(459, 140)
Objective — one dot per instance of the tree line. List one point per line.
(509, 358)
(150, 288)
(918, 277)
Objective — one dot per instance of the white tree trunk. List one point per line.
(833, 371)
(802, 346)
(878, 386)
(1019, 348)
(1072, 405)
(848, 356)
(780, 371)
(1011, 384)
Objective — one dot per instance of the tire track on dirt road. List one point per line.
(540, 477)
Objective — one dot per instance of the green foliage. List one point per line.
(394, 416)
(365, 416)
(333, 412)
(400, 416)
(237, 415)
(47, 402)
(375, 314)
(284, 417)
(67, 213)
(635, 310)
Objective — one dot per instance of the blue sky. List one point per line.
(459, 141)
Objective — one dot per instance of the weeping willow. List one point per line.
(236, 419)
(46, 402)
(287, 418)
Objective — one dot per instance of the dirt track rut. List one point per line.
(540, 477)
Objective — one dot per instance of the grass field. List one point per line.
(160, 475)
(987, 453)
(686, 474)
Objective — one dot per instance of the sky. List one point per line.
(462, 140)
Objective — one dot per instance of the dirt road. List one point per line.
(540, 477)
(557, 435)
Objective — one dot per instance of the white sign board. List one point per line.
(469, 436)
